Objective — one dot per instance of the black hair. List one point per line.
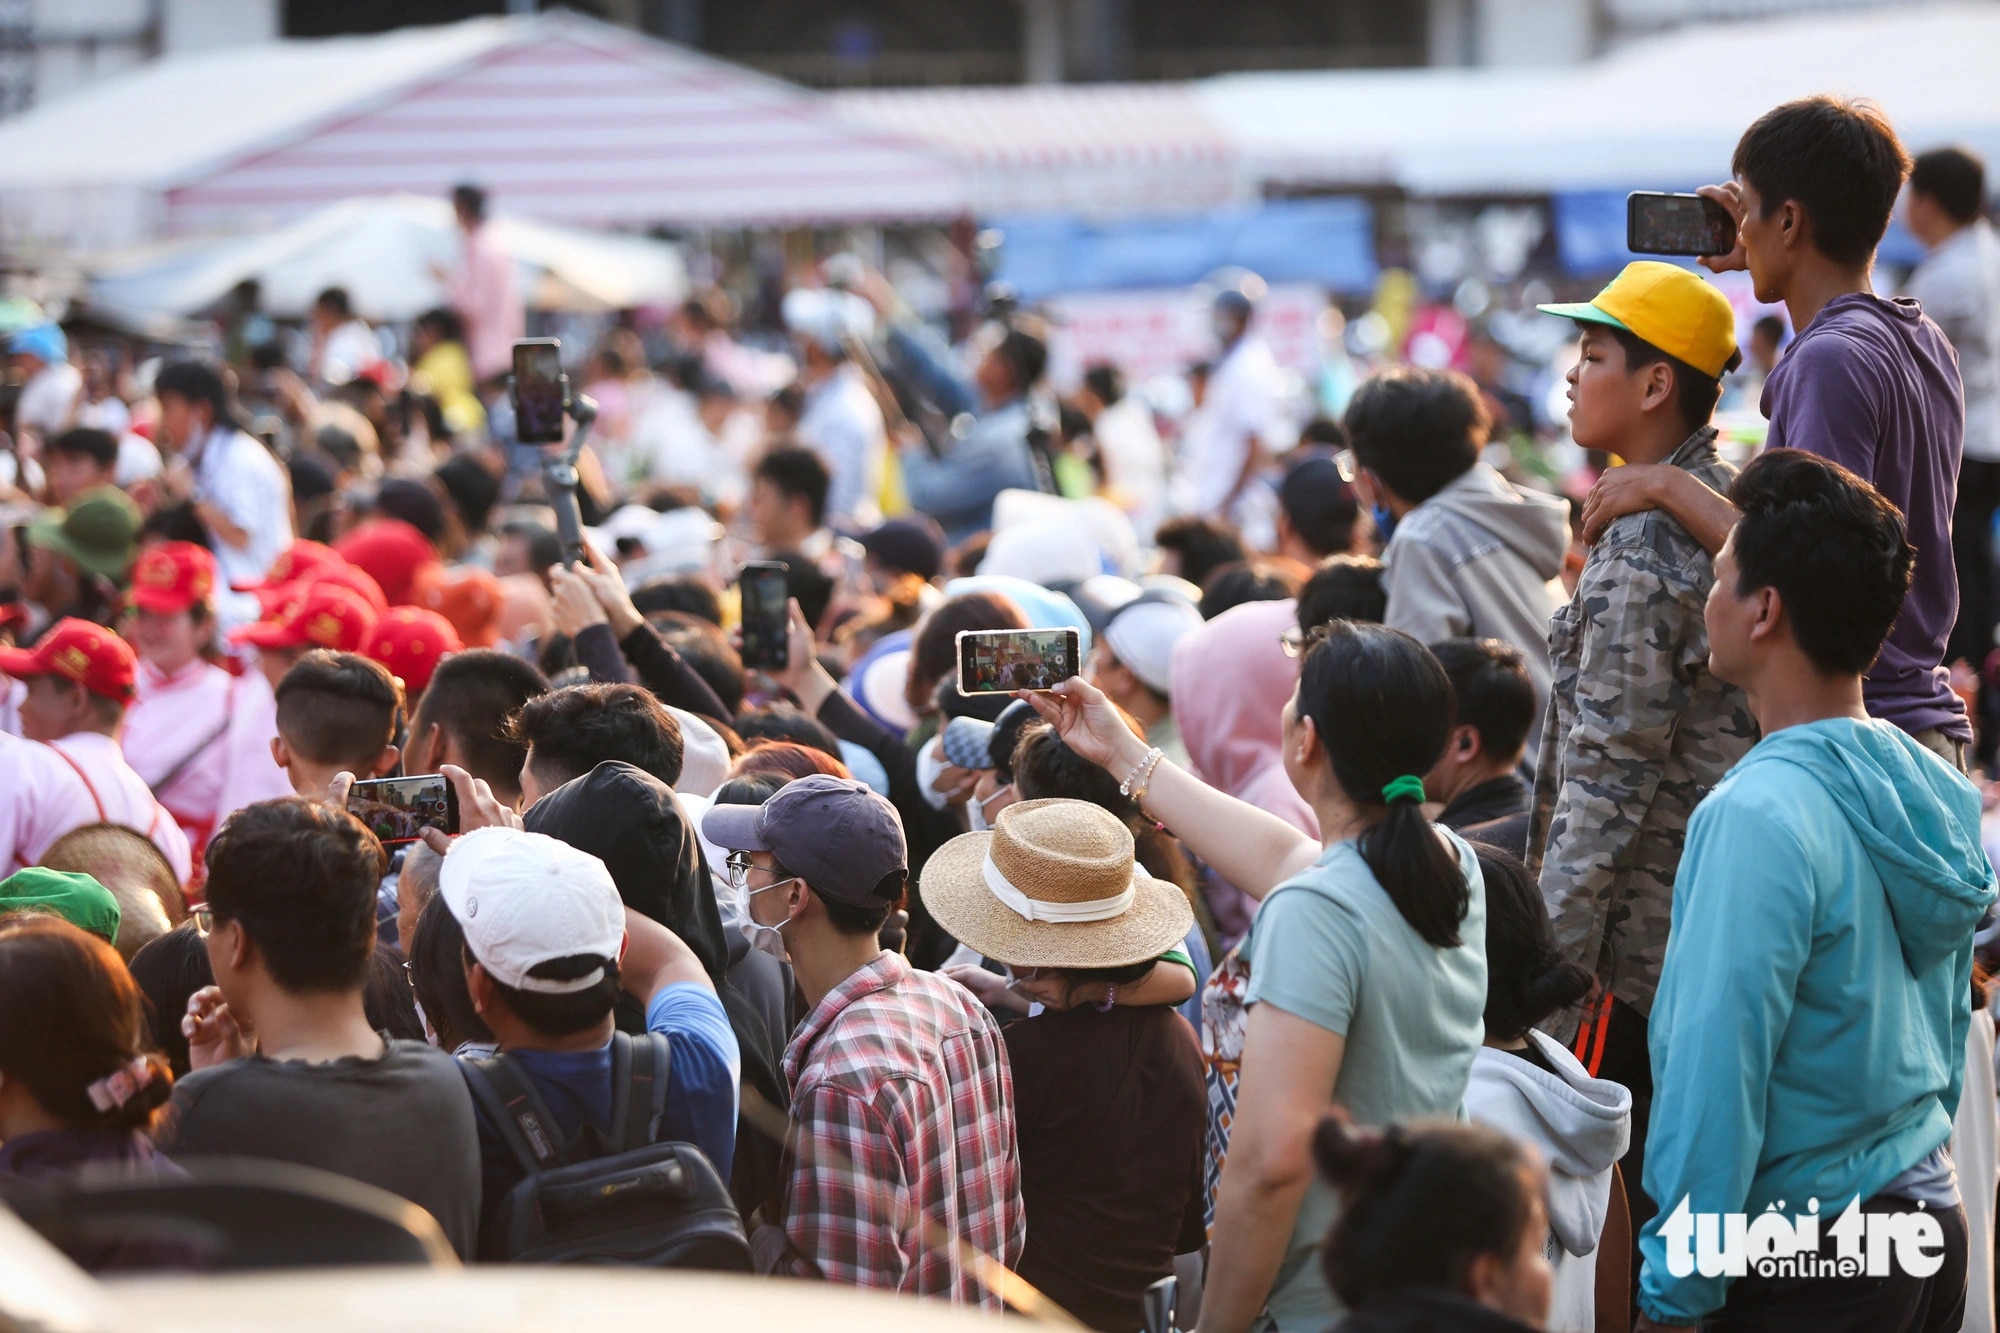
(1955, 177)
(471, 696)
(169, 969)
(797, 473)
(1323, 434)
(1106, 381)
(1321, 508)
(1418, 1204)
(99, 446)
(387, 999)
(567, 1014)
(750, 789)
(1233, 585)
(1839, 158)
(1006, 738)
(1771, 327)
(300, 877)
(335, 301)
(338, 708)
(570, 731)
(1493, 692)
(198, 382)
(1344, 587)
(692, 594)
(176, 523)
(444, 322)
(1382, 708)
(414, 503)
(1833, 547)
(544, 546)
(471, 199)
(806, 584)
(848, 919)
(782, 722)
(437, 975)
(1026, 356)
(1204, 545)
(934, 644)
(1077, 978)
(1695, 394)
(791, 400)
(1527, 978)
(1417, 430)
(472, 488)
(704, 647)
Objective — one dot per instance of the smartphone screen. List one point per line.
(400, 809)
(1000, 661)
(1677, 224)
(766, 625)
(540, 392)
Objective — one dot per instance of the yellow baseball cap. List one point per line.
(1672, 308)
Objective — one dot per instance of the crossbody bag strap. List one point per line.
(517, 1111)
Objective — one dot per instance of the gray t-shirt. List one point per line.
(402, 1122)
(1330, 947)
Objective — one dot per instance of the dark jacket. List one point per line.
(629, 820)
(1496, 812)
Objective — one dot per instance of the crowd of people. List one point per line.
(1432, 905)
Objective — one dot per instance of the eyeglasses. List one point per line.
(1297, 642)
(204, 919)
(740, 865)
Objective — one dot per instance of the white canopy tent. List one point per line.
(382, 250)
(1666, 111)
(563, 118)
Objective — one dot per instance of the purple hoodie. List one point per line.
(1872, 385)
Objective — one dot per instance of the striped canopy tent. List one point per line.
(561, 117)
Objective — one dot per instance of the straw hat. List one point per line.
(1054, 885)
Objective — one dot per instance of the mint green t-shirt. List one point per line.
(1330, 947)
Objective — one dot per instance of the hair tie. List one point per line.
(121, 1085)
(1409, 786)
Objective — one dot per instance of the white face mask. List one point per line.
(975, 809)
(766, 939)
(930, 766)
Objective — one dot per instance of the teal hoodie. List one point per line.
(1808, 1038)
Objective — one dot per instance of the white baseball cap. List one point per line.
(524, 899)
(1142, 635)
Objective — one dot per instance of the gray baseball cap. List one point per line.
(835, 833)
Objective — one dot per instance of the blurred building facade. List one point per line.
(52, 47)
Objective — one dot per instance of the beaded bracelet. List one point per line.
(1142, 776)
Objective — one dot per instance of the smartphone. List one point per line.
(1000, 661)
(540, 390)
(1677, 224)
(766, 621)
(400, 809)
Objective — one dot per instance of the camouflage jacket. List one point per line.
(1637, 733)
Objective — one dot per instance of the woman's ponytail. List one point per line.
(1383, 708)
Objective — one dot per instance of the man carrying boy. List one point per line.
(1809, 1032)
(1638, 728)
(1870, 383)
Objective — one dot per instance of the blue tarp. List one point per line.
(1328, 241)
(1590, 234)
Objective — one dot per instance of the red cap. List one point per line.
(466, 595)
(411, 641)
(342, 575)
(322, 615)
(293, 563)
(390, 551)
(171, 577)
(77, 650)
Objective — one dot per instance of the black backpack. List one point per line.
(620, 1198)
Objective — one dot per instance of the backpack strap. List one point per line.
(640, 1072)
(517, 1112)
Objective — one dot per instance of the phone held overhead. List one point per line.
(1001, 661)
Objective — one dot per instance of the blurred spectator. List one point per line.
(343, 346)
(1318, 512)
(1477, 778)
(77, 460)
(48, 401)
(1237, 420)
(788, 502)
(238, 489)
(1345, 587)
(441, 367)
(480, 288)
(842, 423)
(1193, 548)
(1248, 581)
(1128, 446)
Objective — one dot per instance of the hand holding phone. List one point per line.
(540, 391)
(765, 599)
(1003, 661)
(1678, 224)
(398, 810)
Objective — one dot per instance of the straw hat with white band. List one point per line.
(1054, 885)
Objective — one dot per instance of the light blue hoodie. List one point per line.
(1808, 1037)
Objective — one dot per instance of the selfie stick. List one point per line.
(559, 479)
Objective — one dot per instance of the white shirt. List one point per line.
(1239, 409)
(1135, 462)
(350, 349)
(48, 400)
(842, 423)
(1959, 287)
(237, 475)
(49, 790)
(213, 728)
(107, 414)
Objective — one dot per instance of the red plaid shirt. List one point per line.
(902, 1114)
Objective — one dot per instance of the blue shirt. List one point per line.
(702, 1089)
